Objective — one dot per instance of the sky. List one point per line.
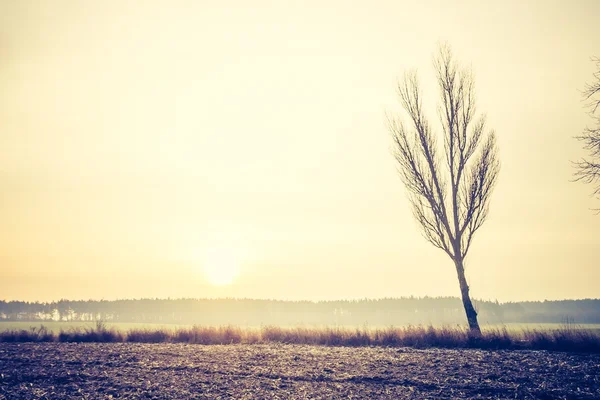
(239, 149)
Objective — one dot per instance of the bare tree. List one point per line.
(450, 190)
(588, 170)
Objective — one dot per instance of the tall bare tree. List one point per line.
(588, 170)
(449, 185)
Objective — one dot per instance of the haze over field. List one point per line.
(214, 149)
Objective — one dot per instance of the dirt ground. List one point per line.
(180, 371)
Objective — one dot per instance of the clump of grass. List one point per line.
(148, 336)
(214, 335)
(562, 340)
(316, 336)
(359, 337)
(421, 337)
(496, 339)
(387, 337)
(33, 334)
(100, 333)
(298, 335)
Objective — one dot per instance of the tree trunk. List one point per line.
(466, 299)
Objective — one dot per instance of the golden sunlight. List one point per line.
(221, 265)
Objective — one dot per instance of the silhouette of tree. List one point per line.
(588, 170)
(449, 193)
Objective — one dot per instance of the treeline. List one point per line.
(252, 312)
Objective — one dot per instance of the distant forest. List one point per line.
(380, 312)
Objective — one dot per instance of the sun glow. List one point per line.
(221, 266)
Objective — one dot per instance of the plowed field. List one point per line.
(180, 371)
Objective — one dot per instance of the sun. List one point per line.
(221, 266)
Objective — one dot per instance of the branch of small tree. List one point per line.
(592, 89)
(471, 158)
(588, 169)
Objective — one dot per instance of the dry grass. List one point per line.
(566, 338)
(563, 339)
(100, 334)
(33, 334)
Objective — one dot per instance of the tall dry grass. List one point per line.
(98, 334)
(33, 334)
(566, 338)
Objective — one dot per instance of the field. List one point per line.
(262, 371)
(75, 360)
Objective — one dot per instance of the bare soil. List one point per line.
(277, 371)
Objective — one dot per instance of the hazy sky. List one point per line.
(147, 145)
